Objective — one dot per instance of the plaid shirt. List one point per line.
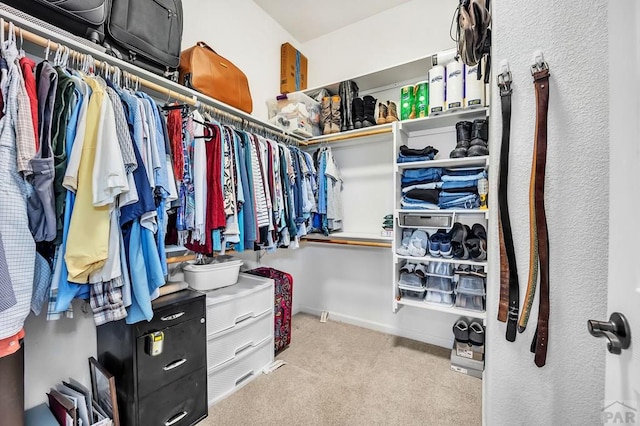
(21, 112)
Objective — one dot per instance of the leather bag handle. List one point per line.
(206, 46)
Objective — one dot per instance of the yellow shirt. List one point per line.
(88, 239)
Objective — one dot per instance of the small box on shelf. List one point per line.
(293, 69)
(296, 113)
(466, 350)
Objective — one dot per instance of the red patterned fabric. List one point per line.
(174, 127)
(283, 302)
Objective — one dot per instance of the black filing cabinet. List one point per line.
(170, 387)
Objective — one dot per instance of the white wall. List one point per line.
(353, 283)
(569, 389)
(401, 34)
(244, 34)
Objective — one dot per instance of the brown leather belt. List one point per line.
(539, 345)
(509, 285)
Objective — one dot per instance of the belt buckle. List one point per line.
(539, 66)
(504, 82)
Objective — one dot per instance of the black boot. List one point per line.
(348, 91)
(358, 112)
(479, 138)
(369, 111)
(463, 135)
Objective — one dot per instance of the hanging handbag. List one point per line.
(202, 69)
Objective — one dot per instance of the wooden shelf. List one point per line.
(445, 119)
(351, 238)
(450, 310)
(382, 129)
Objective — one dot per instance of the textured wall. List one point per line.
(569, 389)
(403, 33)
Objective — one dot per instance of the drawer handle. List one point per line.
(174, 364)
(245, 377)
(175, 419)
(243, 347)
(244, 317)
(172, 317)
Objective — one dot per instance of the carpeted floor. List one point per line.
(339, 374)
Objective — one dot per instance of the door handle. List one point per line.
(616, 330)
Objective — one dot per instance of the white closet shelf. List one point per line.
(482, 161)
(444, 212)
(439, 259)
(447, 309)
(445, 119)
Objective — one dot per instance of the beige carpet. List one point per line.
(338, 374)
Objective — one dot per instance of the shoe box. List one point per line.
(465, 365)
(466, 350)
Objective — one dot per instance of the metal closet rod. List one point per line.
(244, 123)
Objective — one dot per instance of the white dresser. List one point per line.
(239, 334)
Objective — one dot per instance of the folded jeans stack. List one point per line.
(459, 188)
(423, 179)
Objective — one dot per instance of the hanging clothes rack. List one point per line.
(52, 41)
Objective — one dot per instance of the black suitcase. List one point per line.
(147, 33)
(84, 18)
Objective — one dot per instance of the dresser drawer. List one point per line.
(181, 403)
(248, 334)
(249, 298)
(166, 314)
(183, 351)
(232, 375)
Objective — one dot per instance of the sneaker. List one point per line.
(403, 250)
(418, 243)
(445, 246)
(408, 267)
(434, 244)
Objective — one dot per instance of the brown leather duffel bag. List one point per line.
(202, 69)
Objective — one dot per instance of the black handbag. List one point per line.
(147, 33)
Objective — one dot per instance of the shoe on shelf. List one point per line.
(392, 112)
(434, 244)
(403, 250)
(421, 270)
(408, 267)
(358, 112)
(445, 246)
(336, 114)
(463, 137)
(325, 115)
(461, 331)
(477, 243)
(418, 243)
(369, 111)
(479, 138)
(382, 113)
(476, 333)
(458, 235)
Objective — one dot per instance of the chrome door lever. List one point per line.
(616, 330)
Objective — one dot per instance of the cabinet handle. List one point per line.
(244, 317)
(175, 419)
(244, 377)
(243, 347)
(174, 364)
(172, 317)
